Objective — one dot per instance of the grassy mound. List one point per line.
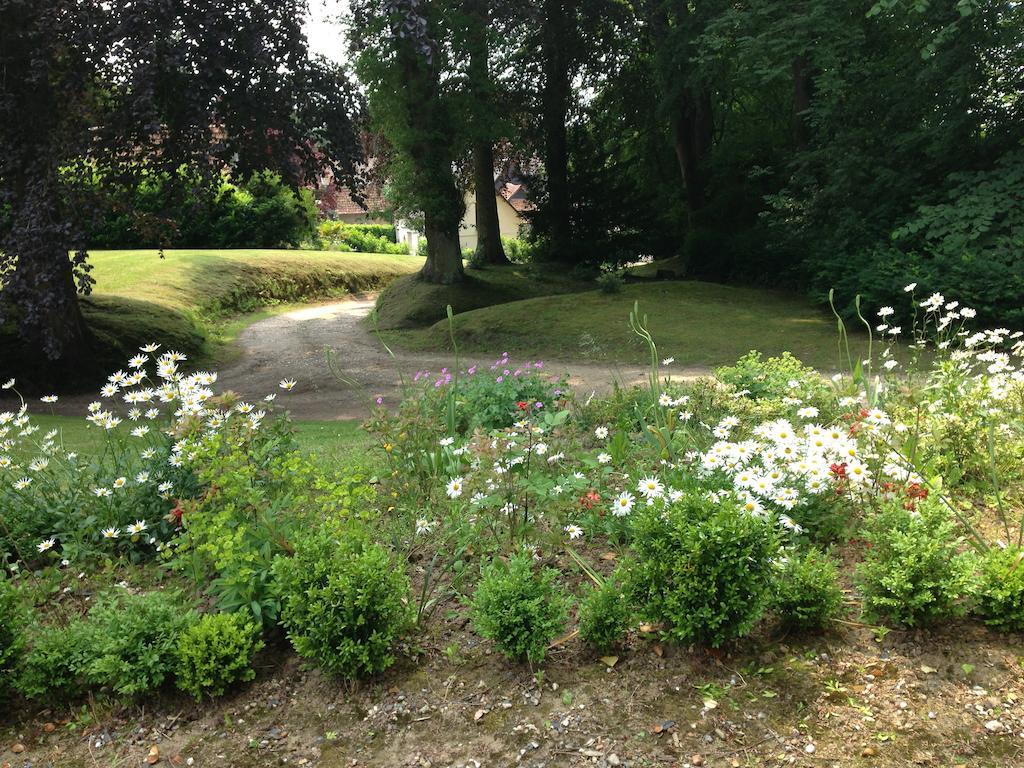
(188, 299)
(412, 303)
(699, 324)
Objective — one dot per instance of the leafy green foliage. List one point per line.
(913, 573)
(362, 238)
(490, 399)
(55, 661)
(604, 616)
(344, 601)
(773, 378)
(131, 640)
(259, 492)
(520, 608)
(701, 569)
(807, 593)
(999, 591)
(215, 653)
(12, 623)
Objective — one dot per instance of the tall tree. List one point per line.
(401, 50)
(115, 91)
(484, 119)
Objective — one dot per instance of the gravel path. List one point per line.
(295, 344)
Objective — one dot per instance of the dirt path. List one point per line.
(294, 345)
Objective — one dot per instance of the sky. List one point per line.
(323, 30)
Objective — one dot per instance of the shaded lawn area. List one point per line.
(697, 323)
(334, 442)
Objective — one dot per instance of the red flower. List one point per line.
(590, 499)
(838, 469)
(522, 405)
(175, 514)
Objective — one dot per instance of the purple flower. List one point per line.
(499, 379)
(471, 370)
(380, 400)
(538, 405)
(539, 364)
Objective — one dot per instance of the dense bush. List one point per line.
(964, 237)
(215, 653)
(131, 640)
(258, 212)
(55, 661)
(701, 569)
(807, 593)
(774, 378)
(999, 592)
(913, 573)
(520, 608)
(361, 238)
(344, 601)
(604, 616)
(127, 643)
(517, 250)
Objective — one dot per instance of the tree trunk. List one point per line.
(444, 256)
(41, 293)
(488, 229)
(555, 109)
(489, 249)
(692, 128)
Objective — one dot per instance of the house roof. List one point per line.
(514, 193)
(339, 200)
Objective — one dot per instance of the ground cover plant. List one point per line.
(493, 509)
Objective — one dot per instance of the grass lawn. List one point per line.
(192, 299)
(411, 303)
(333, 442)
(700, 324)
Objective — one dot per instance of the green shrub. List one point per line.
(701, 569)
(912, 572)
(55, 661)
(361, 238)
(215, 653)
(12, 622)
(344, 601)
(260, 211)
(604, 616)
(807, 592)
(610, 283)
(999, 591)
(520, 609)
(772, 379)
(126, 643)
(488, 398)
(517, 250)
(132, 640)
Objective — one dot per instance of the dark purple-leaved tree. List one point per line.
(96, 94)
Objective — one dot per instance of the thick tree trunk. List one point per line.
(488, 229)
(555, 109)
(444, 256)
(489, 249)
(692, 128)
(41, 294)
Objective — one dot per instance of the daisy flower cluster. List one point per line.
(140, 410)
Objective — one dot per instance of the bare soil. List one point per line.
(946, 698)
